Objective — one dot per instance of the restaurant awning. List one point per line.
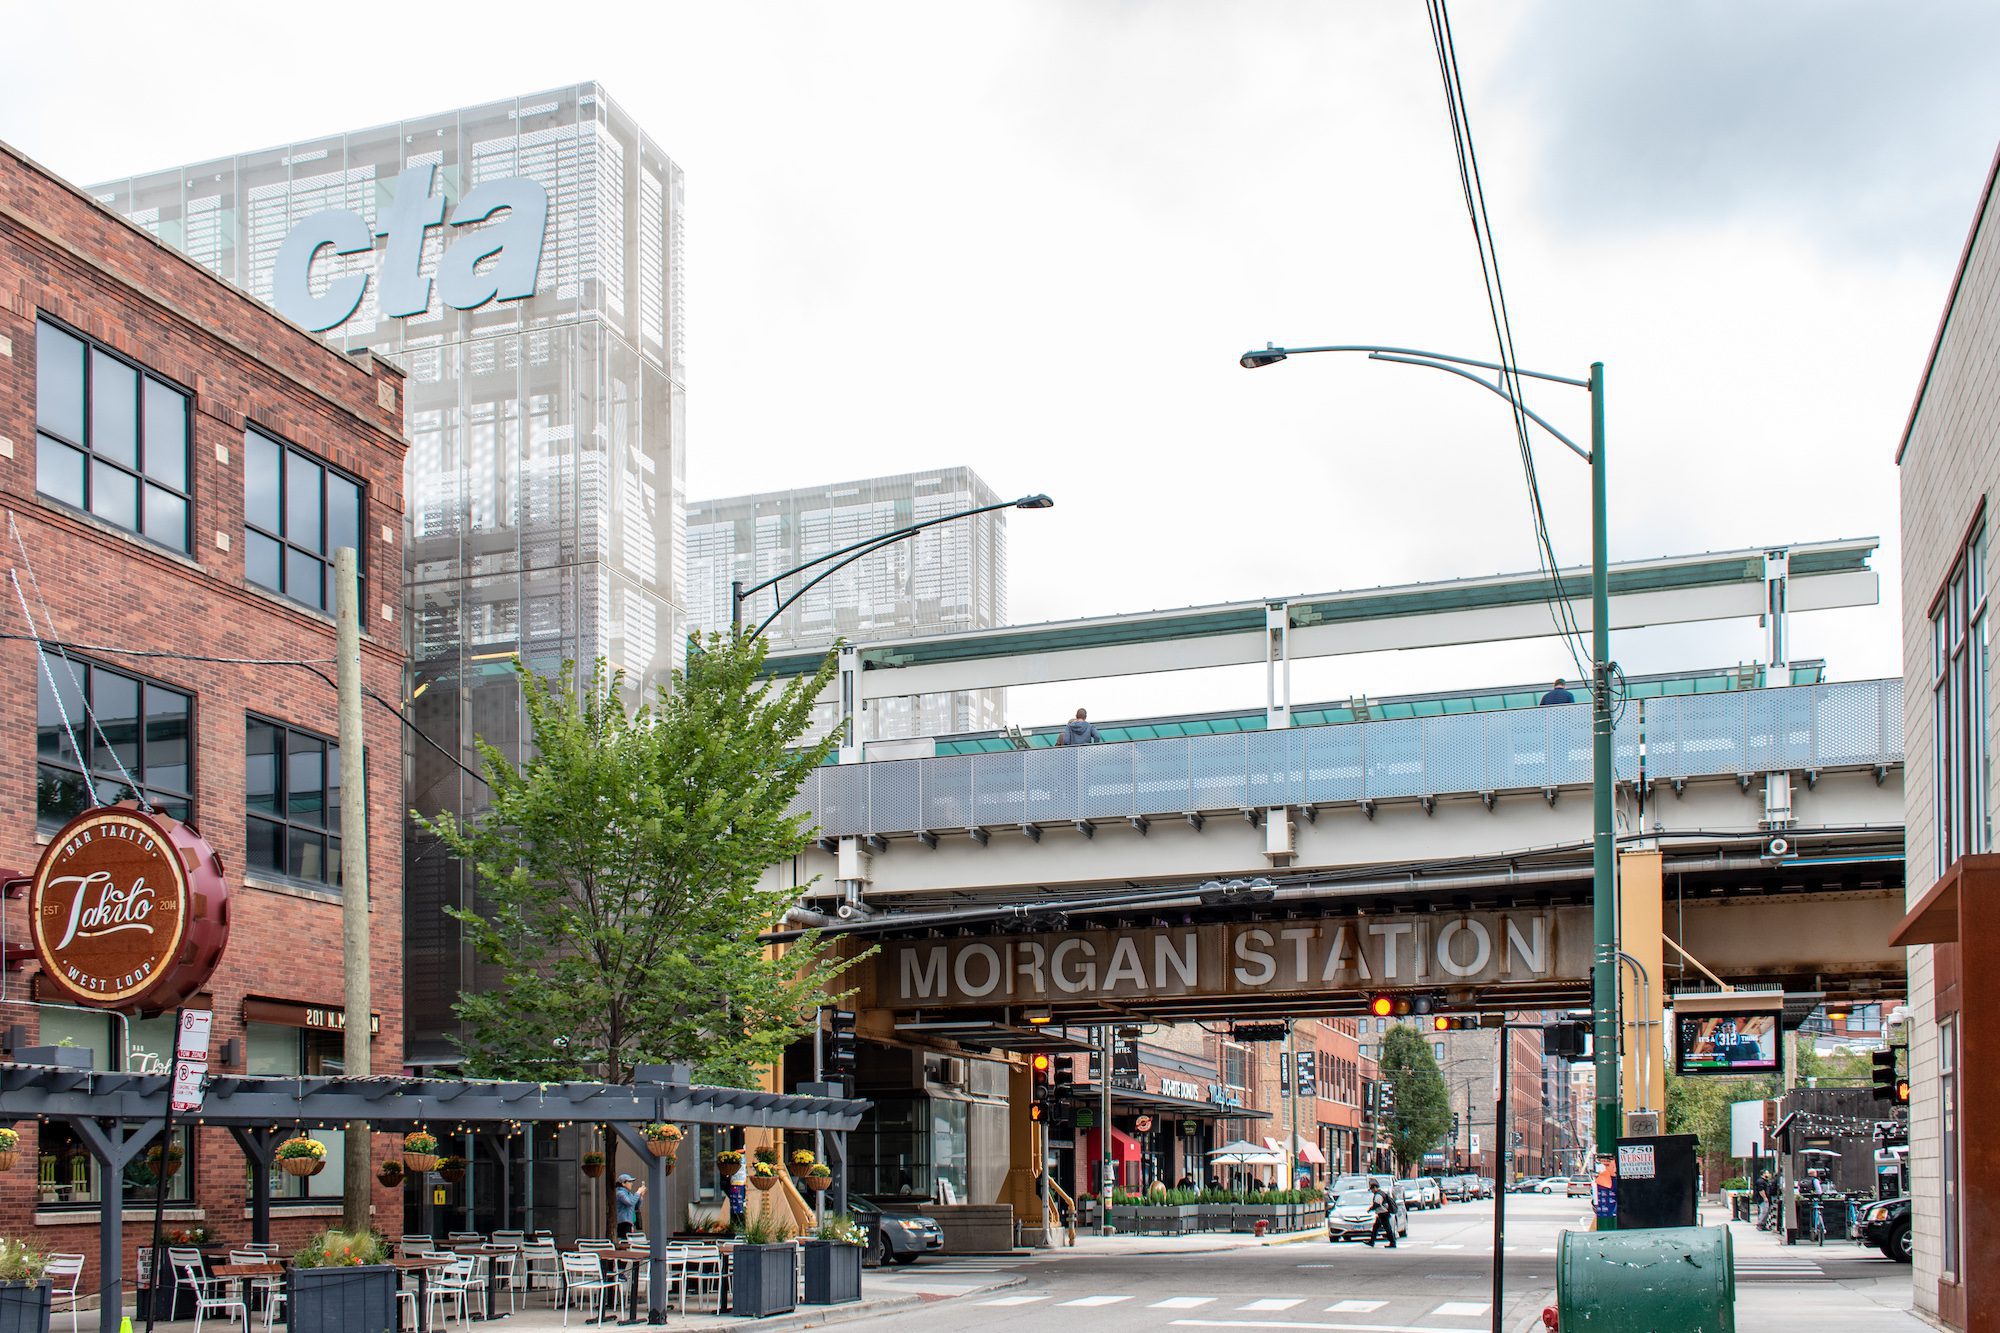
(1124, 1148)
(1306, 1150)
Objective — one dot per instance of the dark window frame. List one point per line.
(1961, 754)
(87, 446)
(86, 725)
(323, 554)
(328, 827)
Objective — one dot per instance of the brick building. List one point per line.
(177, 466)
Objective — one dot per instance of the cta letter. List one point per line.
(291, 276)
(516, 239)
(402, 291)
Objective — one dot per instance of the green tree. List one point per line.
(619, 873)
(1423, 1104)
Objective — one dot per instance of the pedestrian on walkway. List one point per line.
(1558, 695)
(1078, 731)
(1384, 1209)
(628, 1205)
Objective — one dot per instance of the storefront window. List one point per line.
(949, 1150)
(891, 1149)
(66, 1174)
(275, 1051)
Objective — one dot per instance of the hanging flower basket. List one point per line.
(173, 1158)
(593, 1164)
(301, 1156)
(451, 1169)
(767, 1155)
(819, 1179)
(420, 1152)
(728, 1160)
(764, 1175)
(662, 1140)
(391, 1173)
(803, 1162)
(10, 1148)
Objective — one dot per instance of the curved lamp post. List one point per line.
(847, 555)
(1603, 963)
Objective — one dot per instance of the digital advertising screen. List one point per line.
(1724, 1043)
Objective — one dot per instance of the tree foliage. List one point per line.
(1422, 1117)
(619, 872)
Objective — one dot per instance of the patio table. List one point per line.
(492, 1273)
(422, 1268)
(247, 1273)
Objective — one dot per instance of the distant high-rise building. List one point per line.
(950, 577)
(522, 261)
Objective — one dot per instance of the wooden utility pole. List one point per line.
(356, 1191)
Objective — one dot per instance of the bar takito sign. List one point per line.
(129, 910)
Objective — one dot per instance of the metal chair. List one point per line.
(583, 1275)
(211, 1296)
(702, 1268)
(178, 1259)
(541, 1266)
(409, 1247)
(457, 1284)
(265, 1287)
(64, 1272)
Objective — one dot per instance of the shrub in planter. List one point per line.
(832, 1261)
(420, 1152)
(341, 1283)
(451, 1169)
(301, 1157)
(10, 1149)
(662, 1140)
(765, 1280)
(593, 1164)
(24, 1291)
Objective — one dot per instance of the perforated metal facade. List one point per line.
(947, 578)
(545, 479)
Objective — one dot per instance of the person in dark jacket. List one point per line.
(1078, 731)
(1383, 1206)
(1559, 695)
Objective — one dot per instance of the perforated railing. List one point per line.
(1848, 724)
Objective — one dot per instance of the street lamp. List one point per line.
(847, 555)
(1603, 967)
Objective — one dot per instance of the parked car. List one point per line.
(1351, 1216)
(1579, 1186)
(1552, 1185)
(1454, 1188)
(1342, 1184)
(1886, 1226)
(1484, 1187)
(1525, 1185)
(1433, 1192)
(898, 1236)
(1409, 1193)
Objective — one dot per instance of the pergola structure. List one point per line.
(117, 1115)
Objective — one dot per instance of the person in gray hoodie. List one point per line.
(1078, 731)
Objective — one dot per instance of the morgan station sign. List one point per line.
(1235, 959)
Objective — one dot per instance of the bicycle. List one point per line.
(1818, 1229)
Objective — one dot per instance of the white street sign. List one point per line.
(193, 1041)
(188, 1076)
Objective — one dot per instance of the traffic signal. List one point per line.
(1065, 1072)
(843, 1057)
(1902, 1092)
(1381, 1006)
(1884, 1070)
(1454, 1126)
(1565, 1040)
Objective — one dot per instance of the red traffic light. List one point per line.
(1381, 1006)
(1041, 1062)
(1441, 1023)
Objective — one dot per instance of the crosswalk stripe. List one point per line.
(1355, 1307)
(1096, 1300)
(1013, 1300)
(1274, 1303)
(1451, 1308)
(1181, 1303)
(1447, 1247)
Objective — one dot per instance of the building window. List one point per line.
(1235, 1066)
(67, 1176)
(1958, 706)
(1364, 1052)
(297, 512)
(292, 794)
(126, 725)
(272, 1050)
(1947, 1064)
(1438, 1047)
(110, 438)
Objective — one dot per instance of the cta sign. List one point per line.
(1239, 958)
(497, 262)
(128, 911)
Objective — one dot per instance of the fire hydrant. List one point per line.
(1260, 1226)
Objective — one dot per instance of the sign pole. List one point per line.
(1501, 1145)
(160, 1180)
(1106, 1173)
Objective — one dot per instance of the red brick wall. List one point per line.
(63, 255)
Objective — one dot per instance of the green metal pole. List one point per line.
(1603, 867)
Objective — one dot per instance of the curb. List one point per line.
(868, 1309)
(1318, 1233)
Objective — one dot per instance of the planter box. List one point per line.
(341, 1300)
(24, 1307)
(833, 1272)
(764, 1280)
(63, 1057)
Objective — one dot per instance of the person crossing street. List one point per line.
(1384, 1209)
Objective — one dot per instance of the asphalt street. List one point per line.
(1438, 1281)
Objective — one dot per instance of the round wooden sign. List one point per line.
(129, 910)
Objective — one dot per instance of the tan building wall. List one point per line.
(1950, 465)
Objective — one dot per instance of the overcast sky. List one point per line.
(1034, 238)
